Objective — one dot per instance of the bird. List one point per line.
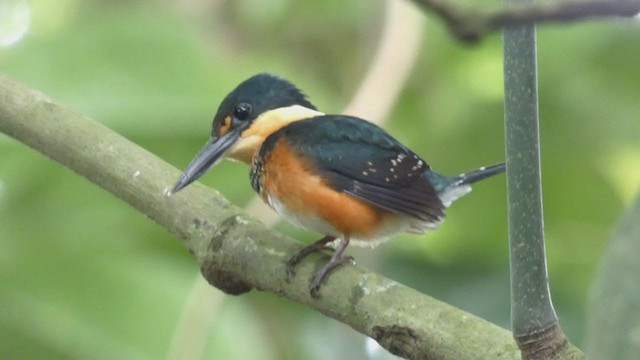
(341, 176)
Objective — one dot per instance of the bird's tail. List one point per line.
(480, 174)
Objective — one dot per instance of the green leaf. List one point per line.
(613, 331)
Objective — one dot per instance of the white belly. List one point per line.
(317, 224)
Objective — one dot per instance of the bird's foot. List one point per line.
(320, 245)
(325, 271)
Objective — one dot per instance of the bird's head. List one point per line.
(250, 113)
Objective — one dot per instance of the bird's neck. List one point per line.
(266, 124)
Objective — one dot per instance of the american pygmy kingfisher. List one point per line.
(338, 175)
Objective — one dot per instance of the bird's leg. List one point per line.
(336, 260)
(320, 245)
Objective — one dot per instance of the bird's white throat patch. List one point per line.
(266, 124)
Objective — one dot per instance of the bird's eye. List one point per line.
(242, 111)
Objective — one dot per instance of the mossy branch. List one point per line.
(236, 253)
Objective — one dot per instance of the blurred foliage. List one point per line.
(614, 321)
(83, 276)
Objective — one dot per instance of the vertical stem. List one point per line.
(534, 322)
(531, 302)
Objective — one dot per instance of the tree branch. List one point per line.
(236, 253)
(470, 25)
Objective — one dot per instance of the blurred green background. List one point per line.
(82, 275)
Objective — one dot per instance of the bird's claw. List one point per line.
(320, 245)
(325, 271)
(290, 267)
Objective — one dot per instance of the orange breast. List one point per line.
(296, 184)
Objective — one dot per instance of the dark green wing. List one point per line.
(361, 159)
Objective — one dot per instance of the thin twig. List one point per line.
(470, 25)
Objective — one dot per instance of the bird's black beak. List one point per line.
(209, 156)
